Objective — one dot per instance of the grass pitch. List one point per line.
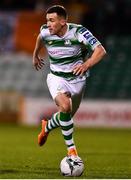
(106, 153)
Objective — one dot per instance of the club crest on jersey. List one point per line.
(50, 42)
(67, 42)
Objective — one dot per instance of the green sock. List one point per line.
(66, 123)
(52, 123)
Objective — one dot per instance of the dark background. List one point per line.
(108, 20)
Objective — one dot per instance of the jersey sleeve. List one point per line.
(43, 31)
(86, 37)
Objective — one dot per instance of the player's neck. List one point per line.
(63, 30)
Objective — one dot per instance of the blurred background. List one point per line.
(24, 97)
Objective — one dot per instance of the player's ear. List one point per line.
(63, 22)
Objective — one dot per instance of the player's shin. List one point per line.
(66, 123)
(52, 123)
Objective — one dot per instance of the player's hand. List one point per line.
(38, 63)
(80, 69)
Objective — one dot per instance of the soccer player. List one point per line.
(68, 46)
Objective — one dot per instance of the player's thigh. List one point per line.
(76, 100)
(77, 95)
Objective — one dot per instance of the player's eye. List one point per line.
(52, 20)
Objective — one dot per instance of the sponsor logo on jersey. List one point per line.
(87, 35)
(61, 52)
(92, 41)
(82, 30)
(67, 42)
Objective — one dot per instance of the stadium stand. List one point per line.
(18, 74)
(110, 79)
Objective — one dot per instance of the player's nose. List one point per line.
(48, 24)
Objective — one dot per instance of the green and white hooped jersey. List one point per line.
(69, 50)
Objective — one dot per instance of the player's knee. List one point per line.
(66, 108)
(64, 103)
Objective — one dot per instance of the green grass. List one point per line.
(106, 153)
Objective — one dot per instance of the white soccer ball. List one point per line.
(71, 166)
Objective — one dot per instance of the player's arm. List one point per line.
(87, 38)
(37, 61)
(97, 55)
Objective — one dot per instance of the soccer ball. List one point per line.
(71, 166)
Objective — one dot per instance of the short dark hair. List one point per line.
(60, 10)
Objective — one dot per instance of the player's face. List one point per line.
(55, 23)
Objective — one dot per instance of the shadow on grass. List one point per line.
(6, 171)
(28, 173)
